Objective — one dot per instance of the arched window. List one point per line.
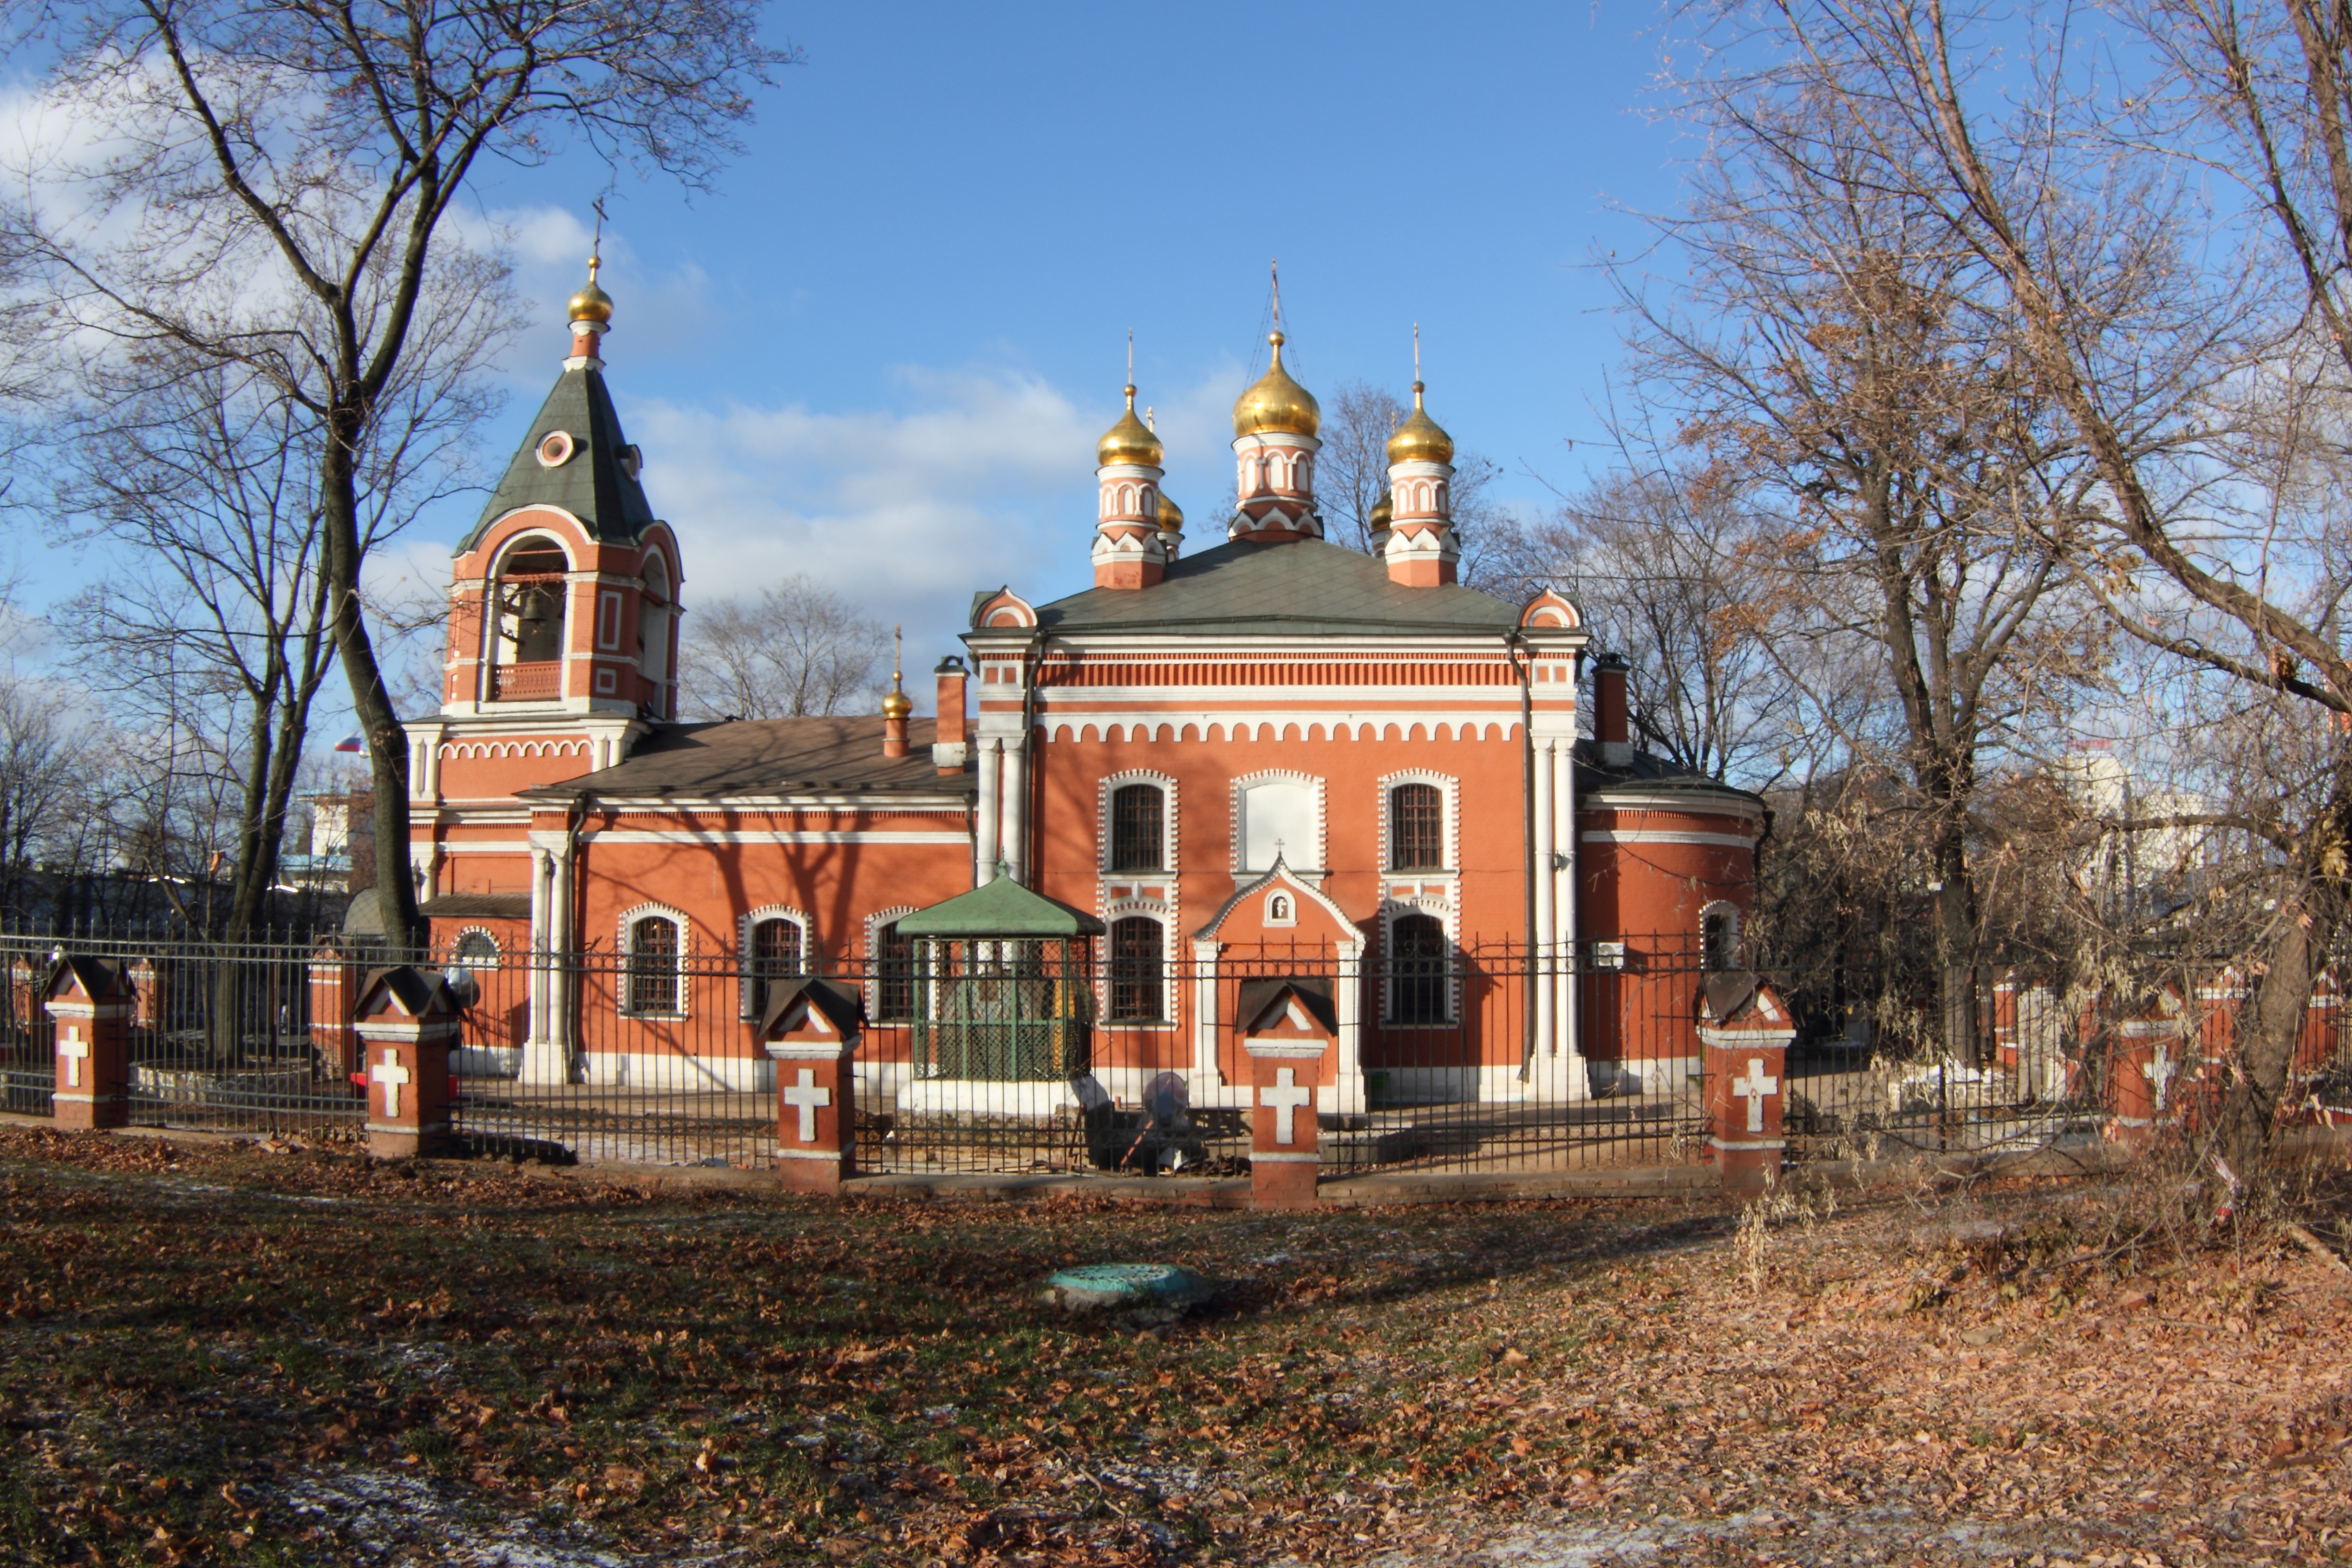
(893, 973)
(476, 948)
(1280, 817)
(653, 974)
(652, 625)
(1138, 831)
(529, 602)
(1138, 975)
(776, 953)
(1718, 937)
(1417, 970)
(1416, 828)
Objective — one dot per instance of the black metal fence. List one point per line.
(1479, 1058)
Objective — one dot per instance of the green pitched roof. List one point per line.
(1302, 586)
(1002, 907)
(590, 485)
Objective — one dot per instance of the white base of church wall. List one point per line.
(490, 1061)
(542, 1062)
(1480, 1085)
(973, 1096)
(1649, 1078)
(667, 1073)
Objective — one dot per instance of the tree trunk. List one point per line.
(2271, 1030)
(387, 742)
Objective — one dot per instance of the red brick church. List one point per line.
(1265, 755)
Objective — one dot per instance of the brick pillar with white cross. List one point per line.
(1284, 1147)
(91, 1003)
(809, 1028)
(2149, 1072)
(1746, 1029)
(407, 1024)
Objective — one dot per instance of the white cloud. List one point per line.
(987, 479)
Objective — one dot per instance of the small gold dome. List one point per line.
(1383, 513)
(1129, 440)
(1276, 402)
(897, 705)
(592, 303)
(1419, 439)
(1171, 516)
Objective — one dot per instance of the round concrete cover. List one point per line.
(1127, 1285)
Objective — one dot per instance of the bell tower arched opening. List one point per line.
(530, 614)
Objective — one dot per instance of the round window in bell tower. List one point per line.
(554, 449)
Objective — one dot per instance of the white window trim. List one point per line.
(685, 991)
(1132, 908)
(1442, 910)
(1241, 788)
(873, 924)
(743, 927)
(498, 951)
(1110, 786)
(1449, 789)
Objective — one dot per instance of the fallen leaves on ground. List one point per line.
(226, 1353)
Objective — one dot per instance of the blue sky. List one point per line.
(880, 351)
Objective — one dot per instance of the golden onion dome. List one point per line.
(1129, 440)
(592, 303)
(897, 704)
(1420, 440)
(1383, 513)
(1171, 516)
(1277, 403)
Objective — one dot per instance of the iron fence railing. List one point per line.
(1483, 1057)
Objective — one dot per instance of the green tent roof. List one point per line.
(593, 486)
(1002, 907)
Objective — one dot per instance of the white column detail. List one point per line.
(1564, 928)
(1346, 1096)
(1544, 944)
(1016, 807)
(1208, 1086)
(986, 842)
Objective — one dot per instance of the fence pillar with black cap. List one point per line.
(408, 1026)
(810, 1030)
(91, 1001)
(1290, 1029)
(1747, 1030)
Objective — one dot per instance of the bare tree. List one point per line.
(1668, 566)
(2194, 338)
(1830, 348)
(270, 187)
(795, 651)
(1351, 475)
(204, 481)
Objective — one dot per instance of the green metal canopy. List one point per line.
(1002, 907)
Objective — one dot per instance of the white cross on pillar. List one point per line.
(1755, 1088)
(392, 1075)
(76, 1050)
(2161, 1071)
(805, 1097)
(1283, 1099)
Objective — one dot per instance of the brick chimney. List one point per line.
(948, 752)
(1610, 736)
